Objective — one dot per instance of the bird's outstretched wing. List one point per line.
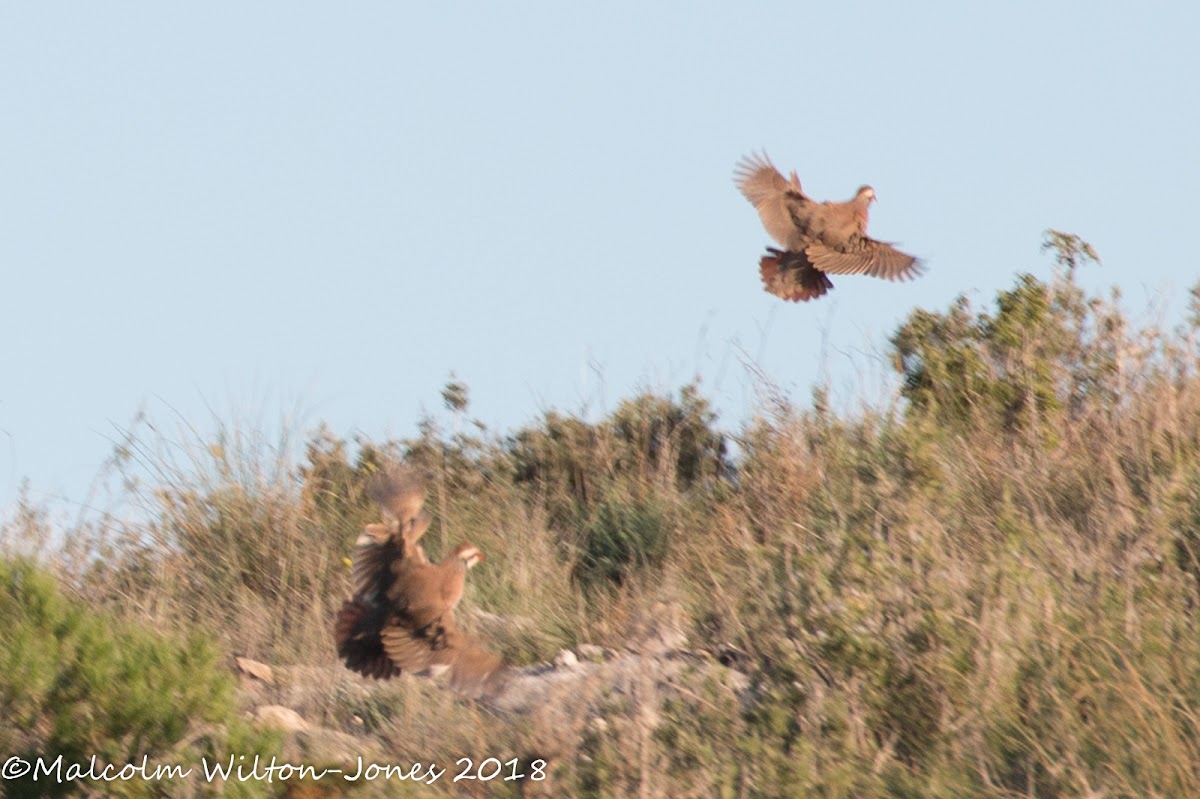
(862, 255)
(781, 203)
(357, 633)
(440, 645)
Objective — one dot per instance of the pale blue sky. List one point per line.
(325, 208)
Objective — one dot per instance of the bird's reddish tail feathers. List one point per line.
(790, 276)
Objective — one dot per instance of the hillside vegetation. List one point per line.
(986, 587)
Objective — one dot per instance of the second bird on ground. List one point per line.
(818, 239)
(401, 616)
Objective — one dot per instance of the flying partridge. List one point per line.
(818, 239)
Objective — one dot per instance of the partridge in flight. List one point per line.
(401, 615)
(818, 239)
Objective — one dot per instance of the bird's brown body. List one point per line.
(401, 617)
(818, 239)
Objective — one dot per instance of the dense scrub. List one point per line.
(987, 587)
(78, 683)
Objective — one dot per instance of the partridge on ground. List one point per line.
(401, 616)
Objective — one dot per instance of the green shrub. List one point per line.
(76, 682)
(623, 537)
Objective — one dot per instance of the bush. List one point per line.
(76, 682)
(620, 539)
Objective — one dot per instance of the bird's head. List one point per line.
(865, 194)
(469, 554)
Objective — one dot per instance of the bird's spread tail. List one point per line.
(790, 276)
